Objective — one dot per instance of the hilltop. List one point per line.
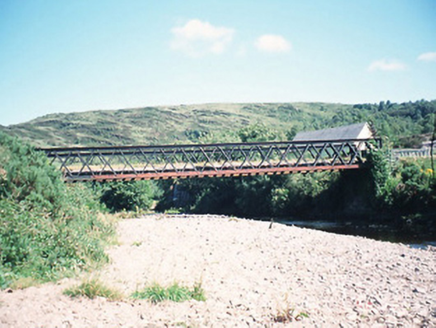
(406, 124)
(164, 124)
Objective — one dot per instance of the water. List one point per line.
(373, 231)
(423, 245)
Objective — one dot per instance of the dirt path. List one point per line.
(250, 274)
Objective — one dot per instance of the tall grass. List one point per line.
(47, 228)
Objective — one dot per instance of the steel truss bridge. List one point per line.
(208, 160)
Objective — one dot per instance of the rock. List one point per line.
(424, 313)
(352, 316)
(390, 320)
(401, 313)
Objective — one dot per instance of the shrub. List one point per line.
(47, 228)
(257, 132)
(413, 191)
(128, 195)
(380, 177)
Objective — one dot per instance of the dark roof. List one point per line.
(341, 133)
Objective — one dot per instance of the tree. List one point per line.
(257, 132)
(127, 195)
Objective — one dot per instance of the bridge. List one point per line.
(209, 160)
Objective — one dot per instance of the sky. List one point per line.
(70, 56)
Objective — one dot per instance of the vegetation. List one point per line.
(406, 190)
(127, 195)
(405, 124)
(93, 288)
(47, 228)
(286, 313)
(174, 293)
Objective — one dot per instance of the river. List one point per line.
(373, 231)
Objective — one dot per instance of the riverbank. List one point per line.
(251, 275)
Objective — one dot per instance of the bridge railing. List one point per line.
(401, 153)
(226, 159)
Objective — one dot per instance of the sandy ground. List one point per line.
(250, 275)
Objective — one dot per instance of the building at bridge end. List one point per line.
(358, 131)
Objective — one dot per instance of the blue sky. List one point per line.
(69, 56)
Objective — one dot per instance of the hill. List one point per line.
(405, 124)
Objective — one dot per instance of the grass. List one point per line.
(173, 211)
(175, 293)
(286, 313)
(93, 288)
(24, 282)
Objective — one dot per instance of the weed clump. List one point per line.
(93, 288)
(286, 313)
(289, 315)
(175, 293)
(47, 228)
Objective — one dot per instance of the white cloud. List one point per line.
(427, 56)
(386, 65)
(197, 38)
(272, 43)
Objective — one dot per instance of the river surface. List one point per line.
(378, 232)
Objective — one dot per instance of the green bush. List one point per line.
(406, 188)
(380, 175)
(413, 187)
(47, 228)
(257, 132)
(128, 195)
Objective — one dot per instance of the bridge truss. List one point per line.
(208, 160)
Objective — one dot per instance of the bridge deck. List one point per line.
(210, 160)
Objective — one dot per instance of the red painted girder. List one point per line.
(223, 173)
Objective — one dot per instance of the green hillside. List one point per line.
(405, 124)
